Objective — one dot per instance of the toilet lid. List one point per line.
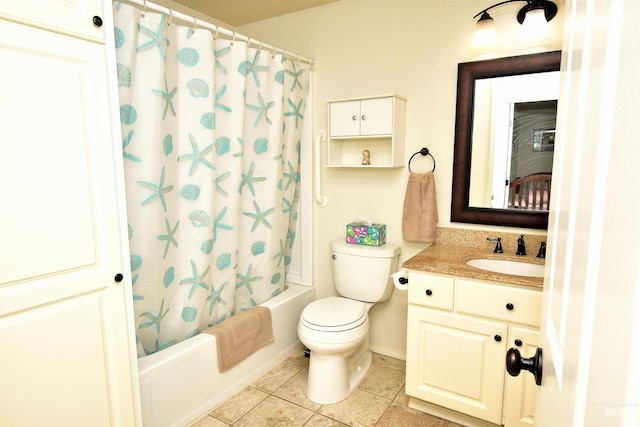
(335, 312)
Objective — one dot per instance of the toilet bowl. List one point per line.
(339, 357)
(336, 329)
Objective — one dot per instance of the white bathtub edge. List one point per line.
(175, 383)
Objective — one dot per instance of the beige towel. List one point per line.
(241, 335)
(420, 211)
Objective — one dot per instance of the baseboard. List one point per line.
(448, 414)
(387, 352)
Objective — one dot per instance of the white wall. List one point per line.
(369, 47)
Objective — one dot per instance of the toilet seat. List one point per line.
(334, 314)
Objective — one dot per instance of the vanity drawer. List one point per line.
(431, 291)
(507, 303)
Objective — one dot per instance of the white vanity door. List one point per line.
(66, 348)
(459, 362)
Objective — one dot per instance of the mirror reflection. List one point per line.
(505, 140)
(513, 141)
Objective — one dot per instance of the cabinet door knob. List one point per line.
(498, 338)
(97, 21)
(509, 306)
(515, 363)
(364, 117)
(354, 118)
(429, 292)
(118, 278)
(518, 343)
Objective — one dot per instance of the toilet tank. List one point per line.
(362, 272)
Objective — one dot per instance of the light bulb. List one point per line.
(485, 34)
(535, 26)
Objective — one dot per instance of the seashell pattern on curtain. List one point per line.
(211, 133)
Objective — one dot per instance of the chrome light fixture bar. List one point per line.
(533, 17)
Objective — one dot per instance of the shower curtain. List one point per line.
(211, 132)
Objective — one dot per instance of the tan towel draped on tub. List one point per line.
(420, 210)
(241, 335)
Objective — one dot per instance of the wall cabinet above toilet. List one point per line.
(375, 124)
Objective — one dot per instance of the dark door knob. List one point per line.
(515, 363)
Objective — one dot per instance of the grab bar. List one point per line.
(320, 199)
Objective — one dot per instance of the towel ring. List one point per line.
(425, 152)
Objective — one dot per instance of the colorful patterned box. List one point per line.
(363, 233)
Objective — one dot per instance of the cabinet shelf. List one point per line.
(363, 166)
(375, 124)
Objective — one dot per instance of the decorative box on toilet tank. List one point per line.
(365, 233)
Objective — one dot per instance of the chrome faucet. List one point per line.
(521, 249)
(498, 240)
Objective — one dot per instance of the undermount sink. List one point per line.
(504, 266)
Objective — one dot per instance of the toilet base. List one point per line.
(332, 377)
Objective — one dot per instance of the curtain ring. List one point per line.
(274, 53)
(233, 40)
(195, 24)
(284, 57)
(215, 35)
(144, 11)
(170, 17)
(260, 47)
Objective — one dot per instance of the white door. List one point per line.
(590, 333)
(66, 349)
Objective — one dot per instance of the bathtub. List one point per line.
(181, 383)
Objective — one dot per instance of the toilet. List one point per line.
(336, 329)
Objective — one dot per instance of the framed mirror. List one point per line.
(489, 161)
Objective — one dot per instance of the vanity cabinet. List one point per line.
(459, 331)
(376, 124)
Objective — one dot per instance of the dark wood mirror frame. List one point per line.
(468, 73)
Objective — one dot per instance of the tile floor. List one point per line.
(279, 399)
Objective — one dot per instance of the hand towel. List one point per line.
(241, 335)
(420, 210)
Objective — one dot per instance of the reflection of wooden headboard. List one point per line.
(531, 192)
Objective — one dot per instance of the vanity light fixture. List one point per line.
(533, 17)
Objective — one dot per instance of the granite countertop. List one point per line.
(452, 260)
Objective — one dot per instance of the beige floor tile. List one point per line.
(295, 391)
(401, 415)
(388, 361)
(360, 408)
(208, 421)
(238, 405)
(402, 397)
(274, 412)
(298, 359)
(383, 381)
(276, 377)
(321, 421)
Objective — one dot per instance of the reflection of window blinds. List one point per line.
(533, 120)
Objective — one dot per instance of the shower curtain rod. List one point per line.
(147, 5)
